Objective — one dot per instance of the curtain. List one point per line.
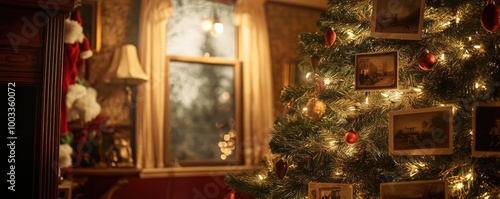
(254, 52)
(151, 147)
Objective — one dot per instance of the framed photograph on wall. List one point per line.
(397, 19)
(323, 190)
(414, 189)
(376, 71)
(426, 131)
(486, 129)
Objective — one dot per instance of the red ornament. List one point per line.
(315, 62)
(320, 87)
(351, 137)
(230, 195)
(490, 18)
(426, 60)
(281, 167)
(330, 37)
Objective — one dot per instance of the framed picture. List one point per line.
(64, 190)
(291, 73)
(204, 107)
(486, 129)
(427, 131)
(90, 11)
(376, 71)
(321, 190)
(397, 19)
(414, 189)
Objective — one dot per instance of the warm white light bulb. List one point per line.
(327, 81)
(466, 54)
(232, 134)
(468, 176)
(206, 25)
(218, 28)
(350, 34)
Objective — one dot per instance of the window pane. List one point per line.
(185, 34)
(202, 124)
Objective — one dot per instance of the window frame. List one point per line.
(238, 95)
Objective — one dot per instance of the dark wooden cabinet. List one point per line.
(31, 54)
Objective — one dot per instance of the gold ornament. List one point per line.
(315, 109)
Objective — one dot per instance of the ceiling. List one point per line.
(320, 4)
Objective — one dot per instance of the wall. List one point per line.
(205, 187)
(119, 26)
(285, 23)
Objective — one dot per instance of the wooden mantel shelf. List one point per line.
(130, 172)
(161, 172)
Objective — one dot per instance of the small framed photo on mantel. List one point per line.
(486, 129)
(324, 190)
(397, 19)
(426, 131)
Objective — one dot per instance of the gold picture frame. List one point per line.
(90, 11)
(486, 129)
(425, 131)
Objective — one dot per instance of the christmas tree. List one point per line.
(396, 91)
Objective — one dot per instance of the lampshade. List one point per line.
(125, 67)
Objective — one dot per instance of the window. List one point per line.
(185, 34)
(204, 117)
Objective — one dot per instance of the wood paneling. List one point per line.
(31, 53)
